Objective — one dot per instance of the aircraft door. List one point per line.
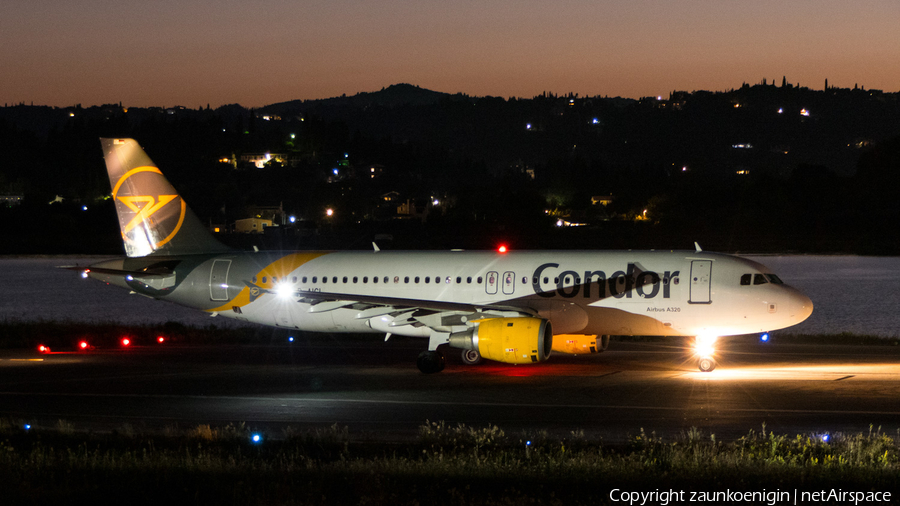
(491, 282)
(701, 272)
(509, 282)
(218, 280)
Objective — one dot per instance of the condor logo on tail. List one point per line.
(147, 221)
(153, 218)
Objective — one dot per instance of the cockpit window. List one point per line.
(759, 279)
(774, 279)
(745, 279)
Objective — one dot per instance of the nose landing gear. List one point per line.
(704, 348)
(706, 364)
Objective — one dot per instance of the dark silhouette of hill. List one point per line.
(761, 167)
(393, 96)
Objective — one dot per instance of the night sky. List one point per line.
(199, 52)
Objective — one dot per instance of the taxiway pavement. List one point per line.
(375, 390)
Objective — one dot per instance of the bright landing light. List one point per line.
(284, 290)
(704, 346)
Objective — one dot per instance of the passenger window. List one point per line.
(416, 279)
(324, 279)
(745, 279)
(374, 279)
(334, 279)
(265, 279)
(469, 279)
(480, 279)
(759, 279)
(345, 279)
(427, 279)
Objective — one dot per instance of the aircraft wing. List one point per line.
(326, 299)
(436, 315)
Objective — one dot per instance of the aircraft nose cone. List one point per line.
(801, 305)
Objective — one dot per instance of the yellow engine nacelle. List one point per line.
(579, 344)
(509, 340)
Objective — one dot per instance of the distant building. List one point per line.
(10, 200)
(603, 200)
(251, 225)
(259, 160)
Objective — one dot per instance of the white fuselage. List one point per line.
(414, 293)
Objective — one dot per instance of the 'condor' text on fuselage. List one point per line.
(569, 284)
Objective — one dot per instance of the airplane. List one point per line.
(514, 307)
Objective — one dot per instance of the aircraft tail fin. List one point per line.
(153, 218)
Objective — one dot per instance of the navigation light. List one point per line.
(126, 341)
(160, 339)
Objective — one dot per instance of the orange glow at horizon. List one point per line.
(197, 53)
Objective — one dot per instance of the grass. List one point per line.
(444, 465)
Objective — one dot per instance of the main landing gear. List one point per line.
(471, 357)
(430, 362)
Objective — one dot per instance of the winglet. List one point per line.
(697, 246)
(375, 246)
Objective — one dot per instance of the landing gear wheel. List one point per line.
(602, 343)
(706, 364)
(471, 357)
(430, 362)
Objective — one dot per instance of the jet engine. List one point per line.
(579, 344)
(510, 340)
(576, 344)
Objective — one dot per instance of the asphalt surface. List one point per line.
(375, 390)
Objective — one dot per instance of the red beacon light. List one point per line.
(502, 249)
(126, 341)
(83, 345)
(43, 349)
(160, 339)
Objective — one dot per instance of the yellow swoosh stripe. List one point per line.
(277, 269)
